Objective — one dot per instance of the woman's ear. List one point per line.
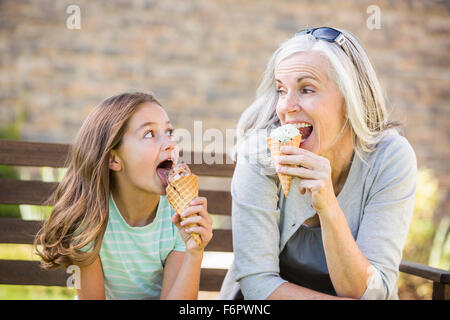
(115, 163)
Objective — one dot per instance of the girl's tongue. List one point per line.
(163, 170)
(162, 174)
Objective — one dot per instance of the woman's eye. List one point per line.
(170, 132)
(307, 90)
(280, 91)
(148, 134)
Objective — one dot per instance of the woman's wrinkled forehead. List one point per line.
(303, 64)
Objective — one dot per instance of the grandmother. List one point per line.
(341, 231)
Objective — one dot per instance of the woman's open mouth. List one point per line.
(305, 129)
(163, 170)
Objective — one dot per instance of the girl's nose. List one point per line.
(168, 144)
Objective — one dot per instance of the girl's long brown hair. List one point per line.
(81, 201)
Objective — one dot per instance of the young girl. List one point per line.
(110, 216)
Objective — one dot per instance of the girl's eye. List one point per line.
(170, 132)
(148, 134)
(280, 91)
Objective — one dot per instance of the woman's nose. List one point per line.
(291, 103)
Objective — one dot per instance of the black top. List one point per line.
(301, 257)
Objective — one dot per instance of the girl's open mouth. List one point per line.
(163, 170)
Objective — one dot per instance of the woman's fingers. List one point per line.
(311, 185)
(297, 150)
(299, 157)
(298, 160)
(303, 173)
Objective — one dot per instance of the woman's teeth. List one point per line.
(302, 125)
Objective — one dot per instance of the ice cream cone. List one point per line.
(275, 146)
(180, 191)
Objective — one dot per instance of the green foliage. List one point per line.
(421, 232)
(13, 292)
(16, 292)
(12, 132)
(440, 251)
(428, 241)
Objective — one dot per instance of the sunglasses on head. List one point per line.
(325, 33)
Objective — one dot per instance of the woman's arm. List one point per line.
(255, 225)
(349, 269)
(368, 266)
(92, 285)
(347, 266)
(291, 291)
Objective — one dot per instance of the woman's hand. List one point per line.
(197, 213)
(314, 174)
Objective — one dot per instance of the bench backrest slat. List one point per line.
(33, 154)
(13, 230)
(21, 272)
(43, 154)
(36, 193)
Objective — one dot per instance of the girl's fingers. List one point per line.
(201, 205)
(195, 220)
(192, 210)
(176, 219)
(205, 233)
(199, 201)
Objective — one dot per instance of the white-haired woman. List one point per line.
(341, 231)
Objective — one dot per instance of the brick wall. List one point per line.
(203, 61)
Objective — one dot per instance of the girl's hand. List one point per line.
(314, 174)
(196, 213)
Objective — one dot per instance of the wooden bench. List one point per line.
(18, 231)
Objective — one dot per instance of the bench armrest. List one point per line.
(426, 272)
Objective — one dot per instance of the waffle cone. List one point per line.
(180, 193)
(275, 146)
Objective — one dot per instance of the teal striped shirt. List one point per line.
(133, 257)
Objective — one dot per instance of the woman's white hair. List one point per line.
(355, 77)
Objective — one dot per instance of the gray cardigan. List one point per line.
(377, 200)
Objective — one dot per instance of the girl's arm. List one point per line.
(92, 286)
(181, 276)
(182, 270)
